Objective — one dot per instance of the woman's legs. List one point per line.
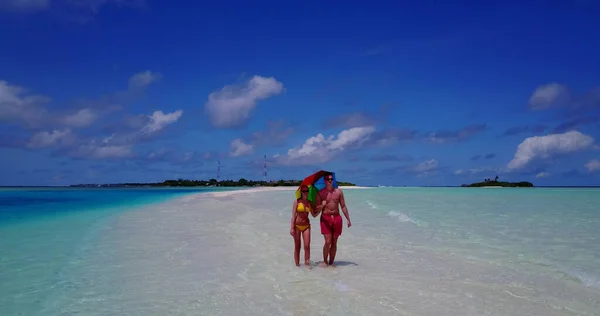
(306, 240)
(297, 246)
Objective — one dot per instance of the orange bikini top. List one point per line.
(301, 208)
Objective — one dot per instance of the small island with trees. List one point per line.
(206, 183)
(495, 183)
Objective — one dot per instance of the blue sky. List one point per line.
(105, 91)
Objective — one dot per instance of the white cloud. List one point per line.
(559, 95)
(18, 105)
(98, 151)
(544, 147)
(542, 175)
(143, 79)
(81, 118)
(549, 95)
(351, 137)
(123, 142)
(478, 171)
(239, 148)
(231, 106)
(49, 139)
(593, 165)
(426, 166)
(115, 145)
(144, 128)
(318, 149)
(56, 129)
(159, 120)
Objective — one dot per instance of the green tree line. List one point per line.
(211, 182)
(240, 183)
(495, 183)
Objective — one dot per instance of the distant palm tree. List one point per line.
(496, 179)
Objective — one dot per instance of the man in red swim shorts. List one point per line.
(327, 202)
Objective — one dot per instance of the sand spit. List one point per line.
(268, 189)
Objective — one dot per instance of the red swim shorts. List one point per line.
(331, 224)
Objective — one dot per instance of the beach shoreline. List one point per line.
(249, 234)
(229, 252)
(267, 189)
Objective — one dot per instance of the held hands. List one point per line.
(292, 231)
(320, 207)
(349, 224)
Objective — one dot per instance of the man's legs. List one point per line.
(337, 231)
(326, 248)
(326, 231)
(333, 249)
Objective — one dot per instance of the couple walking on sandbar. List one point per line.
(327, 202)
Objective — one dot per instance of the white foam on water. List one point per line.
(401, 217)
(209, 256)
(372, 204)
(586, 278)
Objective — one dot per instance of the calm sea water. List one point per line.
(43, 203)
(418, 251)
(550, 230)
(41, 229)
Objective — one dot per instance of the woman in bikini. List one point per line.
(301, 225)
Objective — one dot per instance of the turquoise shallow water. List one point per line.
(41, 229)
(410, 251)
(546, 230)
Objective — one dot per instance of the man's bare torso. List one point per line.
(332, 199)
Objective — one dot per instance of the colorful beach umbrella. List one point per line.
(315, 183)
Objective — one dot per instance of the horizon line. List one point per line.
(368, 186)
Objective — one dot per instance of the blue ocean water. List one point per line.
(18, 204)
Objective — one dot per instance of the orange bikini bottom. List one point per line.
(302, 227)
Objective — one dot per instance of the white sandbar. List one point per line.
(230, 253)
